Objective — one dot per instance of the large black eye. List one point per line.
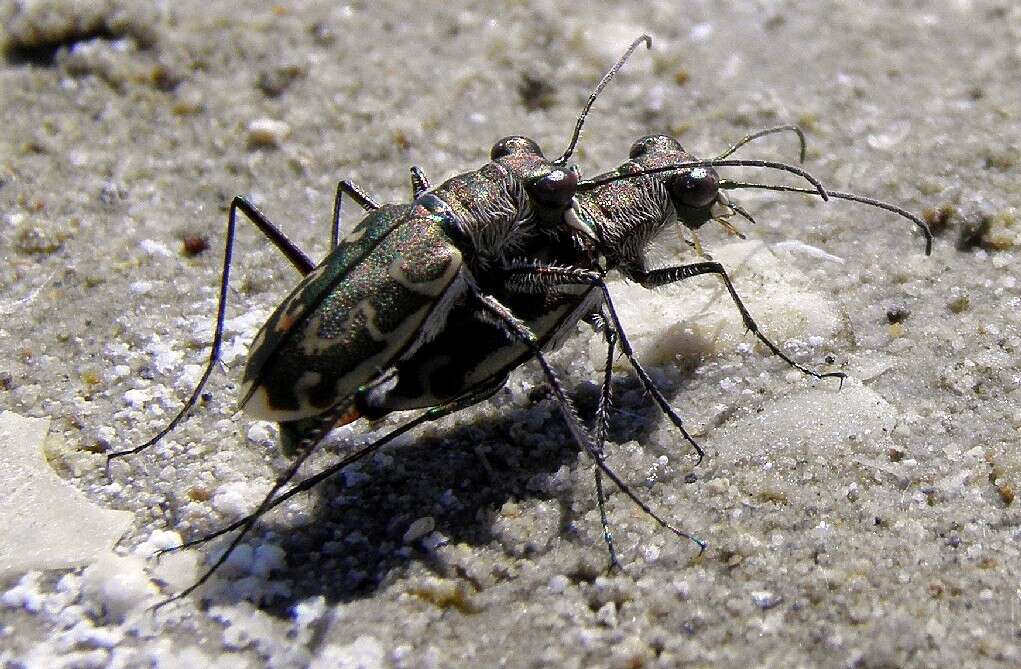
(514, 144)
(696, 188)
(654, 144)
(555, 189)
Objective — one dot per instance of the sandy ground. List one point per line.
(873, 526)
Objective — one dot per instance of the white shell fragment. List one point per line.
(44, 522)
(697, 316)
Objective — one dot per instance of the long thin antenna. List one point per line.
(762, 133)
(592, 98)
(819, 190)
(872, 202)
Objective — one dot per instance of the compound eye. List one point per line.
(696, 188)
(555, 189)
(514, 144)
(654, 144)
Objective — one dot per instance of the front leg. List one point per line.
(517, 329)
(541, 277)
(662, 277)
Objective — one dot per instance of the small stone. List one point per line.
(607, 615)
(765, 599)
(267, 133)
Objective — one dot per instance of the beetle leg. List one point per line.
(361, 198)
(305, 449)
(661, 277)
(296, 256)
(285, 245)
(541, 275)
(598, 321)
(419, 181)
(520, 331)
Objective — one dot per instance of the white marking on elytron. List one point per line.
(313, 344)
(370, 367)
(347, 384)
(432, 287)
(258, 405)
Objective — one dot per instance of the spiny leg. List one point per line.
(361, 198)
(667, 275)
(661, 277)
(419, 181)
(540, 276)
(520, 331)
(270, 502)
(599, 322)
(296, 256)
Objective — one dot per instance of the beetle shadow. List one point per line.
(635, 415)
(353, 542)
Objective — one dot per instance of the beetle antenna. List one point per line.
(713, 162)
(762, 133)
(599, 89)
(872, 202)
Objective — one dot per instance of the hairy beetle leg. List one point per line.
(552, 276)
(305, 448)
(602, 417)
(517, 329)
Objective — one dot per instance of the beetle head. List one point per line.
(694, 191)
(551, 187)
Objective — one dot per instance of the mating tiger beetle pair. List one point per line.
(431, 305)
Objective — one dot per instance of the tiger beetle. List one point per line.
(613, 218)
(431, 305)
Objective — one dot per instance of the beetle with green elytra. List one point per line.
(612, 220)
(387, 287)
(351, 337)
